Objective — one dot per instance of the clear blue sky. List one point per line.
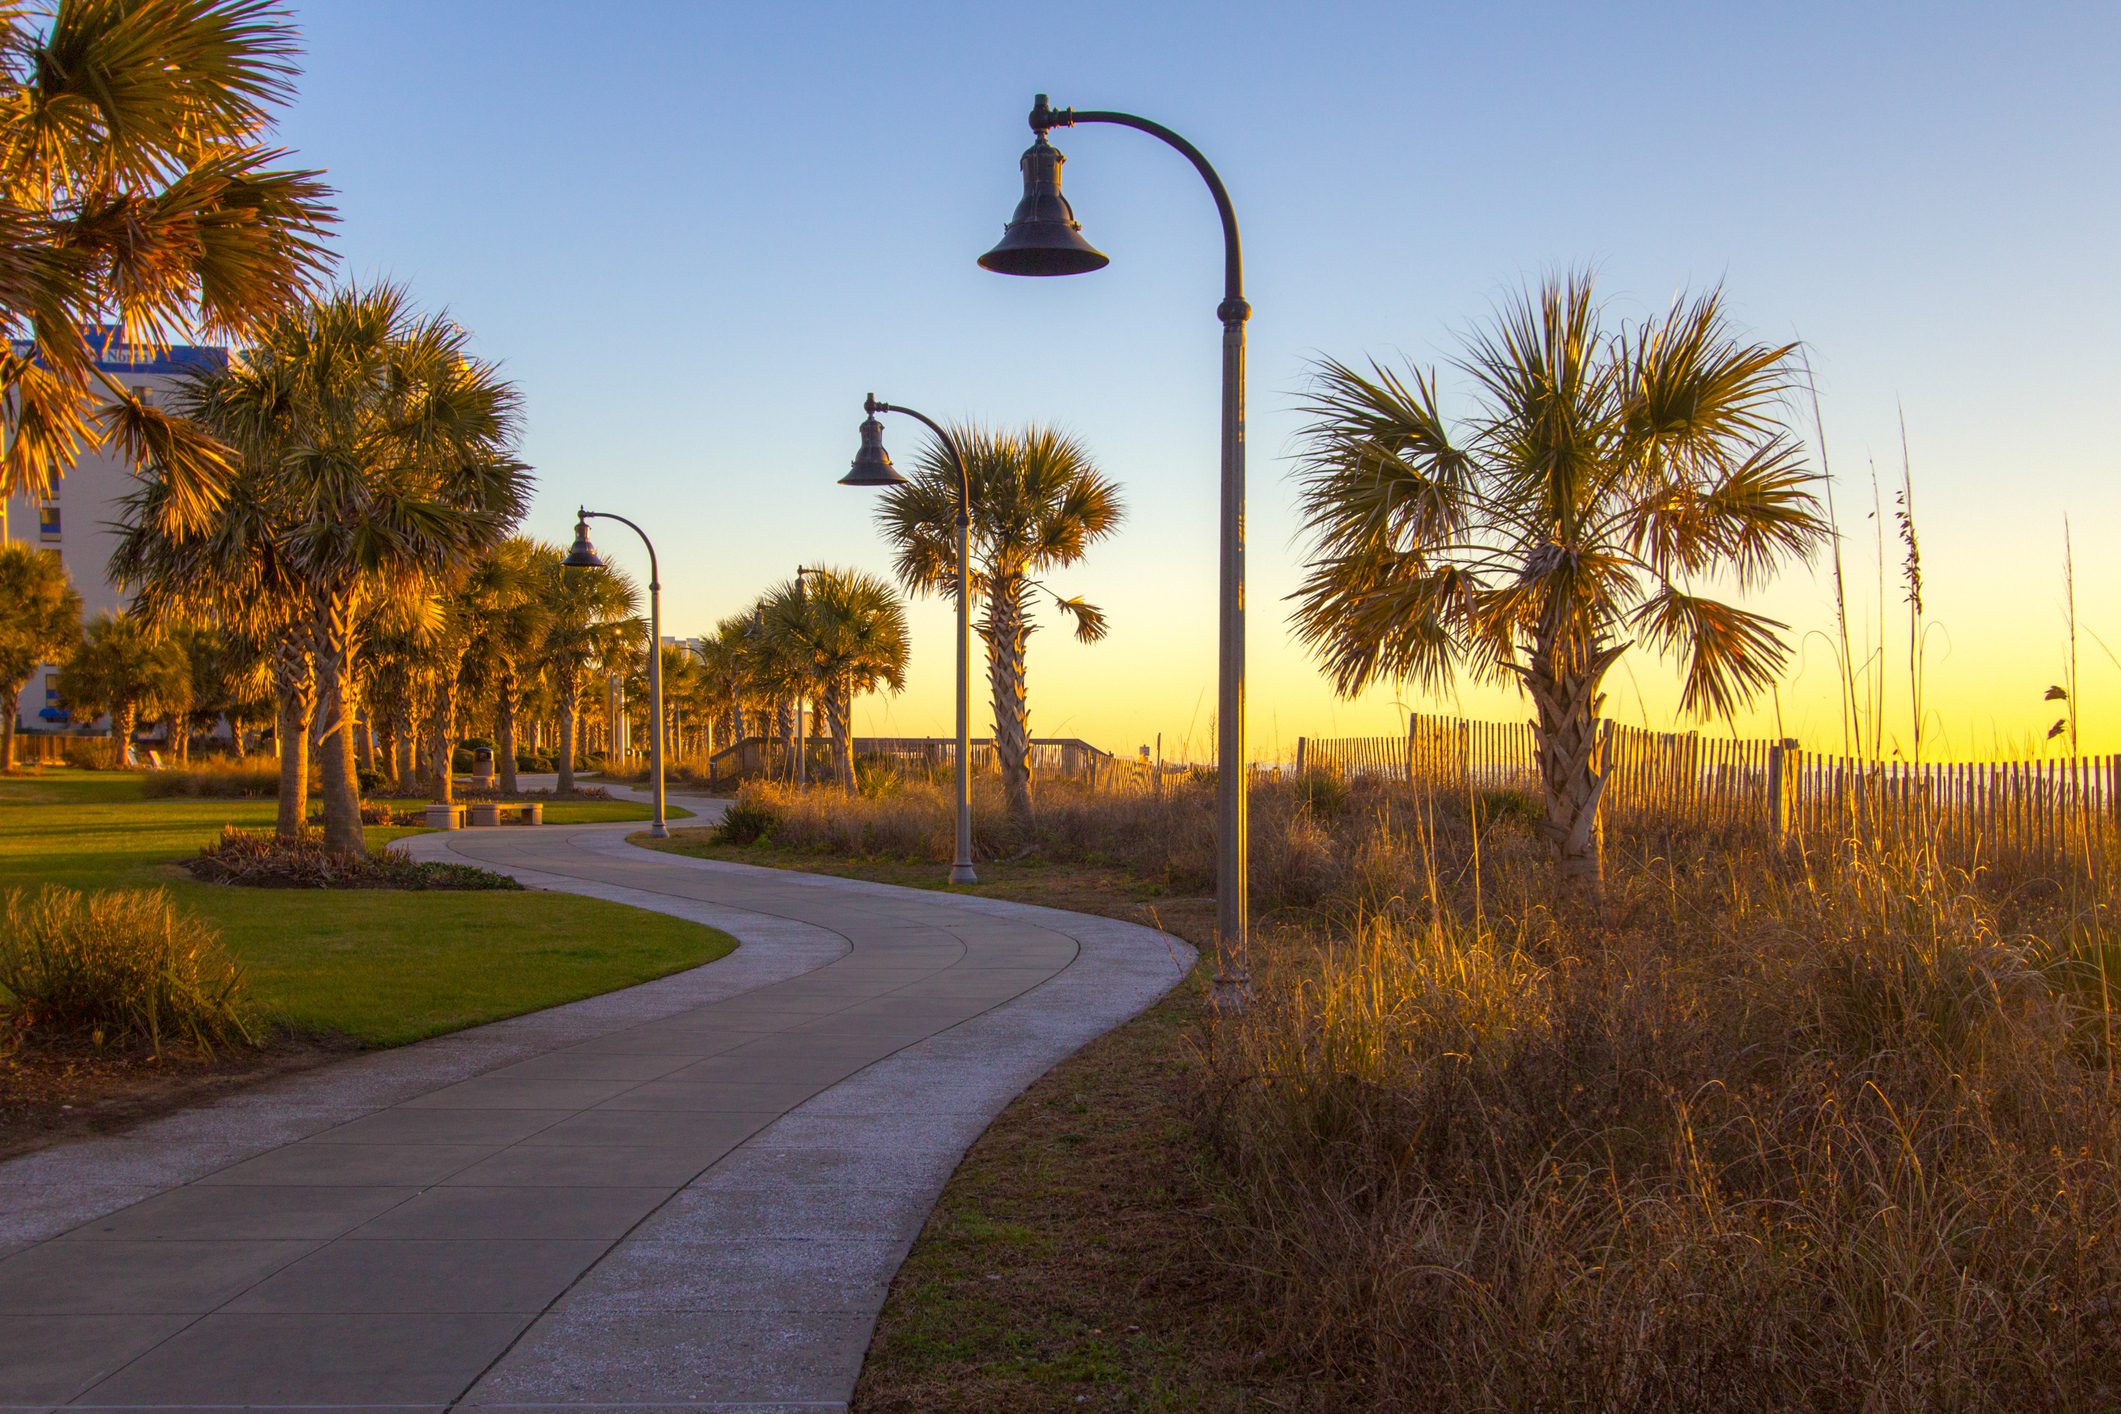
(696, 233)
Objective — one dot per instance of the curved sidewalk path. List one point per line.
(690, 1193)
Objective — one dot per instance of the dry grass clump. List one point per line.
(217, 777)
(116, 967)
(1768, 1138)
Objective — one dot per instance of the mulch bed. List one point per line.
(54, 1092)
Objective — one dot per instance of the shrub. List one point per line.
(119, 965)
(260, 860)
(746, 821)
(86, 755)
(460, 762)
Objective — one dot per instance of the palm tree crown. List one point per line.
(135, 189)
(1602, 479)
(841, 633)
(377, 459)
(1038, 504)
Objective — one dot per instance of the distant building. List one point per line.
(75, 522)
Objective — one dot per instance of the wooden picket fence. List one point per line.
(50, 748)
(2036, 812)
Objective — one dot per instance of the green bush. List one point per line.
(460, 762)
(746, 823)
(119, 965)
(86, 755)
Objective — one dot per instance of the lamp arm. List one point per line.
(1233, 306)
(957, 455)
(653, 576)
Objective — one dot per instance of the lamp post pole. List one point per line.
(1044, 238)
(582, 556)
(872, 467)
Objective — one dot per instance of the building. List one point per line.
(75, 522)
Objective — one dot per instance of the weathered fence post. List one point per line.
(1782, 770)
(1299, 756)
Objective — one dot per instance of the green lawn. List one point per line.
(382, 967)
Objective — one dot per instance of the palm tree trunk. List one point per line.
(338, 781)
(13, 703)
(1563, 682)
(443, 729)
(504, 731)
(294, 684)
(1007, 626)
(839, 719)
(570, 714)
(122, 721)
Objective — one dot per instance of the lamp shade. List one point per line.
(582, 555)
(1043, 237)
(872, 464)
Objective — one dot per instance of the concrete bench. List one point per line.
(445, 817)
(495, 812)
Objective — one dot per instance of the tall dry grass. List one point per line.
(1771, 1135)
(118, 967)
(1768, 1133)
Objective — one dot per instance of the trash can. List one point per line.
(482, 765)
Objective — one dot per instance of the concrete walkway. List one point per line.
(691, 1193)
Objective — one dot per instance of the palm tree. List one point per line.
(1038, 504)
(500, 612)
(376, 460)
(591, 623)
(121, 669)
(41, 622)
(136, 190)
(1602, 477)
(229, 568)
(726, 675)
(845, 634)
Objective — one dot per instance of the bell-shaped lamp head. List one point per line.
(1043, 237)
(872, 464)
(582, 555)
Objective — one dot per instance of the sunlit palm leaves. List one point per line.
(137, 189)
(1602, 484)
(376, 462)
(836, 636)
(1038, 504)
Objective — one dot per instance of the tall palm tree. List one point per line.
(122, 668)
(136, 190)
(1602, 476)
(40, 623)
(844, 632)
(377, 459)
(499, 613)
(591, 623)
(1038, 504)
(228, 568)
(726, 674)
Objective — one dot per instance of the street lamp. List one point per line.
(1044, 238)
(872, 467)
(802, 737)
(583, 556)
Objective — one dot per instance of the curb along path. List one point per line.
(694, 1192)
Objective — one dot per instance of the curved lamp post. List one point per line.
(872, 467)
(1044, 238)
(583, 556)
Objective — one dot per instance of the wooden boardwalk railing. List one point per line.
(1970, 812)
